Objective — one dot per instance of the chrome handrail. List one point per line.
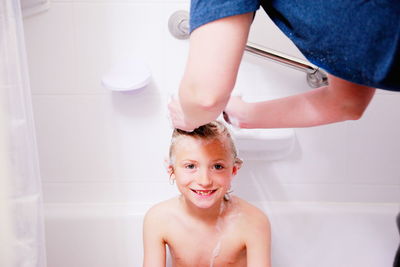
(178, 25)
(279, 57)
(315, 76)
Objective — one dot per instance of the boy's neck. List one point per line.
(209, 215)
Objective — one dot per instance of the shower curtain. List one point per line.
(21, 211)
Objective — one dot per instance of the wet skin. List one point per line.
(200, 227)
(203, 171)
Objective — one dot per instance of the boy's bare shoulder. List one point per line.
(161, 210)
(254, 220)
(251, 214)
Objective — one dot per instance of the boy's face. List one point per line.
(203, 169)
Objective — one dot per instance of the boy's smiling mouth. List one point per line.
(204, 192)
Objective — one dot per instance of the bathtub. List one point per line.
(303, 234)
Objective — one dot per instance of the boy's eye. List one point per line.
(189, 166)
(218, 166)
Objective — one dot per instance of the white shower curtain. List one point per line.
(21, 207)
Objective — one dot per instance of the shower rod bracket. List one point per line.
(317, 79)
(178, 24)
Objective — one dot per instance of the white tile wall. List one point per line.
(101, 138)
(261, 79)
(373, 147)
(98, 146)
(319, 156)
(275, 39)
(50, 44)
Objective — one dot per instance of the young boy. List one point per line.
(205, 226)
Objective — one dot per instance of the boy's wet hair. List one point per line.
(209, 131)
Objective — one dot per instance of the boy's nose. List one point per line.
(204, 179)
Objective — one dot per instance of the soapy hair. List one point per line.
(211, 131)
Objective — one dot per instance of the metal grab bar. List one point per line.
(286, 60)
(178, 25)
(315, 77)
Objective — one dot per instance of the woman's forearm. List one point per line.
(340, 101)
(301, 110)
(200, 109)
(215, 53)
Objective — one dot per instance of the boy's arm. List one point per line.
(215, 52)
(258, 242)
(153, 242)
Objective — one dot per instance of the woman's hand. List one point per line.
(235, 112)
(176, 116)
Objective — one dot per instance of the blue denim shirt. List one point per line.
(356, 40)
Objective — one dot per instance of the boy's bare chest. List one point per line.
(206, 246)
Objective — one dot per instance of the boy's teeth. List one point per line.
(204, 192)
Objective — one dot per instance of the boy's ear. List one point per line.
(234, 170)
(170, 170)
(237, 165)
(168, 166)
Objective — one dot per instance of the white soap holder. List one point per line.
(264, 144)
(127, 76)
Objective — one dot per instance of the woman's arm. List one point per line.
(215, 52)
(340, 101)
(153, 243)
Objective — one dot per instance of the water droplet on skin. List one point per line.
(215, 252)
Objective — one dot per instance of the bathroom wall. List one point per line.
(101, 146)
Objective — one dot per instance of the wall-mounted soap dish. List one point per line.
(127, 76)
(264, 144)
